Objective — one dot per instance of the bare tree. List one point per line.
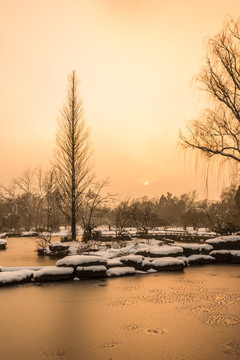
(216, 133)
(73, 166)
(27, 190)
(144, 214)
(121, 216)
(93, 199)
(49, 197)
(9, 196)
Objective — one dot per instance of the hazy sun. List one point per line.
(146, 183)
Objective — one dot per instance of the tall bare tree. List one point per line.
(73, 165)
(216, 133)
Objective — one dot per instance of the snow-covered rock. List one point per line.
(235, 257)
(81, 260)
(190, 249)
(231, 242)
(95, 271)
(58, 246)
(184, 259)
(132, 261)
(53, 273)
(200, 259)
(3, 244)
(13, 277)
(17, 268)
(221, 255)
(160, 251)
(114, 263)
(146, 265)
(167, 263)
(120, 271)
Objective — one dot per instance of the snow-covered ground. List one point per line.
(131, 231)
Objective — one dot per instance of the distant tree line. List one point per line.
(30, 202)
(222, 216)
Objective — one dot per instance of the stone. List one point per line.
(167, 264)
(221, 255)
(97, 271)
(235, 257)
(200, 259)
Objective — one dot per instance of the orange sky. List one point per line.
(136, 60)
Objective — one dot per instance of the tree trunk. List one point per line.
(73, 215)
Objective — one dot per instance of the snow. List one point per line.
(193, 246)
(120, 271)
(15, 276)
(108, 233)
(140, 246)
(200, 257)
(235, 252)
(133, 258)
(167, 261)
(3, 242)
(29, 233)
(223, 252)
(33, 268)
(53, 270)
(76, 260)
(161, 250)
(114, 263)
(184, 259)
(130, 249)
(2, 235)
(108, 253)
(152, 271)
(73, 247)
(147, 262)
(58, 244)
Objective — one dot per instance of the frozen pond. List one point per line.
(22, 252)
(192, 315)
